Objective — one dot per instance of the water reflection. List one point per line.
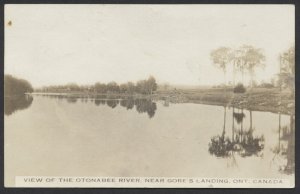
(20, 102)
(72, 100)
(112, 103)
(141, 105)
(145, 105)
(284, 151)
(242, 141)
(234, 137)
(221, 145)
(238, 116)
(100, 102)
(128, 104)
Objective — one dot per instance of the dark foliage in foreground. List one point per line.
(14, 86)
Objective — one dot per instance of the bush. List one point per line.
(239, 89)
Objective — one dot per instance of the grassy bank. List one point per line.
(261, 99)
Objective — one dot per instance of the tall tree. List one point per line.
(221, 57)
(240, 61)
(100, 88)
(130, 87)
(123, 88)
(253, 58)
(248, 58)
(113, 87)
(152, 85)
(287, 69)
(141, 86)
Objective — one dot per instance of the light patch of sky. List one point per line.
(58, 44)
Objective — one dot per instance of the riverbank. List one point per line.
(260, 99)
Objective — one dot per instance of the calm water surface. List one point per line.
(58, 136)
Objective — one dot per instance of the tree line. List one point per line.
(147, 86)
(287, 69)
(246, 59)
(14, 86)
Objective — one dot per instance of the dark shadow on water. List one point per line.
(15, 103)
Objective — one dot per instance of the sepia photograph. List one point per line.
(149, 96)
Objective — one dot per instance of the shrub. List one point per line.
(239, 88)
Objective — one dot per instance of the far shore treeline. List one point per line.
(14, 86)
(243, 60)
(147, 86)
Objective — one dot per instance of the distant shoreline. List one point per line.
(256, 99)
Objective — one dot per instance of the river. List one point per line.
(50, 135)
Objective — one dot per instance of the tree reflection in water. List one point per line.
(72, 99)
(284, 152)
(142, 105)
(128, 103)
(84, 100)
(14, 103)
(238, 117)
(145, 105)
(112, 103)
(242, 141)
(221, 146)
(99, 102)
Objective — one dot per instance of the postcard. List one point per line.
(155, 96)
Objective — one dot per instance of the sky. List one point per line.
(84, 44)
